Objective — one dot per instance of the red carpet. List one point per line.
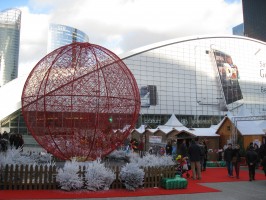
(210, 176)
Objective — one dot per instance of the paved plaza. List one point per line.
(243, 190)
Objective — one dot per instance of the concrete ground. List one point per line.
(242, 190)
(255, 190)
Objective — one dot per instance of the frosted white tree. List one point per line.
(97, 176)
(68, 176)
(18, 157)
(152, 161)
(14, 156)
(131, 176)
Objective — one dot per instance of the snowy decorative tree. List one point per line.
(131, 176)
(68, 177)
(14, 156)
(152, 161)
(98, 177)
(18, 157)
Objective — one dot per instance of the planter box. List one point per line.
(174, 183)
(215, 163)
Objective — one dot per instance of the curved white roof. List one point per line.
(178, 40)
(10, 94)
(10, 100)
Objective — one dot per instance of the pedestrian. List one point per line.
(194, 157)
(228, 156)
(236, 160)
(12, 139)
(262, 151)
(252, 159)
(183, 149)
(141, 149)
(263, 164)
(257, 150)
(162, 151)
(205, 154)
(174, 150)
(168, 149)
(202, 155)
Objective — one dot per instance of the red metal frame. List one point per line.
(80, 101)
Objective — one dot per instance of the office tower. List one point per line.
(10, 21)
(239, 30)
(254, 14)
(61, 35)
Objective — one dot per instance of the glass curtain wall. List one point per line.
(10, 21)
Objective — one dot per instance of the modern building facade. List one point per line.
(239, 30)
(10, 22)
(61, 35)
(198, 79)
(254, 16)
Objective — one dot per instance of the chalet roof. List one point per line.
(205, 132)
(173, 124)
(246, 122)
(249, 128)
(141, 129)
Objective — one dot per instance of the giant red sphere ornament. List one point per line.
(80, 101)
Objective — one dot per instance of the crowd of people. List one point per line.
(194, 153)
(12, 140)
(255, 156)
(191, 154)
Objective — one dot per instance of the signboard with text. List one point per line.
(155, 139)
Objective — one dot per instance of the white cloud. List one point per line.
(121, 25)
(33, 39)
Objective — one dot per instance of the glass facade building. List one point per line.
(61, 35)
(10, 21)
(199, 79)
(254, 19)
(238, 30)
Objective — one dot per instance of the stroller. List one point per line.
(183, 166)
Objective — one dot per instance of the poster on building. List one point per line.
(148, 95)
(229, 75)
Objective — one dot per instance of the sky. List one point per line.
(120, 25)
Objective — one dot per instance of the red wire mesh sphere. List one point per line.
(80, 101)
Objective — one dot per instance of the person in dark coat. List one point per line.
(262, 151)
(228, 156)
(236, 160)
(263, 164)
(12, 140)
(169, 149)
(183, 149)
(252, 159)
(194, 152)
(205, 155)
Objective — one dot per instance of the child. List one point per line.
(182, 165)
